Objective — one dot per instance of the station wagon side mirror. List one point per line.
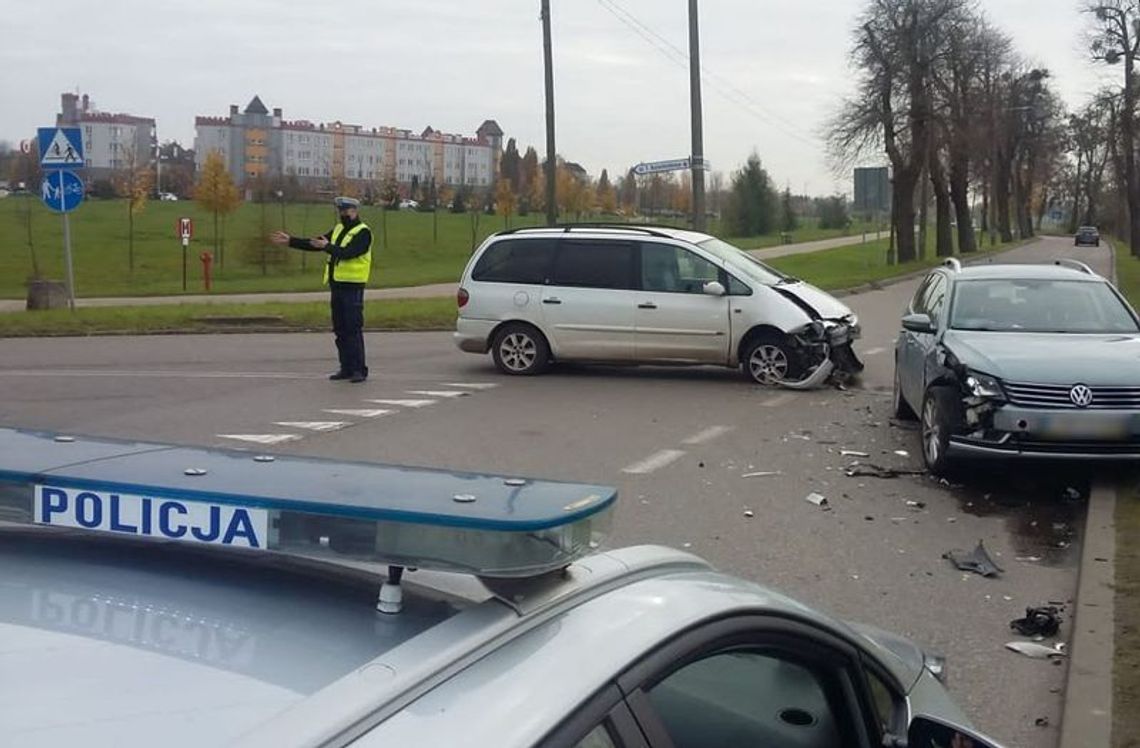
(918, 323)
(713, 288)
(928, 732)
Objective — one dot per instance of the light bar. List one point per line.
(490, 526)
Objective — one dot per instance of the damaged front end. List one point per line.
(824, 348)
(982, 395)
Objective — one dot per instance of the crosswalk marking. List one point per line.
(359, 413)
(712, 432)
(261, 438)
(655, 461)
(471, 385)
(439, 393)
(404, 403)
(314, 425)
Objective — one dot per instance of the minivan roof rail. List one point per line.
(953, 263)
(1075, 265)
(648, 229)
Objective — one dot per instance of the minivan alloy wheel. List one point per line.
(518, 351)
(768, 363)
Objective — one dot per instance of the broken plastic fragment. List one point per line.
(916, 504)
(1044, 620)
(816, 499)
(902, 453)
(1028, 559)
(748, 513)
(761, 474)
(1037, 651)
(977, 560)
(860, 469)
(852, 453)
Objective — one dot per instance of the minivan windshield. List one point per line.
(1053, 306)
(745, 263)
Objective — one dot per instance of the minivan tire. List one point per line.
(776, 361)
(520, 349)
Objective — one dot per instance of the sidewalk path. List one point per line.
(404, 292)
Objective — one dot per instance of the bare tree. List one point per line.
(1115, 38)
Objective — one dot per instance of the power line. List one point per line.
(717, 82)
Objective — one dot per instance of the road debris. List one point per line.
(761, 474)
(1037, 651)
(817, 499)
(748, 513)
(870, 470)
(852, 453)
(977, 561)
(1042, 722)
(915, 504)
(1044, 620)
(1028, 559)
(902, 453)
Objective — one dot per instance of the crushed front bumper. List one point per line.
(1061, 434)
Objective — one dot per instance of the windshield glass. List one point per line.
(745, 262)
(1058, 306)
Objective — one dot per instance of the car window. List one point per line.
(746, 698)
(599, 737)
(737, 287)
(675, 270)
(935, 299)
(885, 703)
(1056, 306)
(515, 261)
(594, 264)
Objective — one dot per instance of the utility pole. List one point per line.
(551, 165)
(697, 161)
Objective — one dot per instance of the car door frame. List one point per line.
(911, 358)
(806, 642)
(649, 302)
(607, 705)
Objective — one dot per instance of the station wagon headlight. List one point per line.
(983, 385)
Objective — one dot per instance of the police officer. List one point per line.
(349, 247)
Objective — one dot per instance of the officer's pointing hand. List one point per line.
(318, 242)
(279, 237)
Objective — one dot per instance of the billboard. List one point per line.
(872, 190)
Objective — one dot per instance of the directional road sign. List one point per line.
(185, 228)
(62, 191)
(60, 147)
(653, 167)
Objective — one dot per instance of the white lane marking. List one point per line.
(363, 413)
(261, 438)
(471, 385)
(712, 432)
(873, 351)
(778, 400)
(655, 461)
(147, 374)
(314, 425)
(403, 403)
(439, 393)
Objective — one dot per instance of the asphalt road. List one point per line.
(679, 443)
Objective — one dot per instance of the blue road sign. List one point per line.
(60, 147)
(62, 191)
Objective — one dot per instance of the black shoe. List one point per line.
(339, 376)
(358, 377)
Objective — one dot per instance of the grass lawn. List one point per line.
(411, 248)
(388, 314)
(1126, 668)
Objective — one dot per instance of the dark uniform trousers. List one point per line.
(347, 302)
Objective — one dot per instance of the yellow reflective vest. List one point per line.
(354, 269)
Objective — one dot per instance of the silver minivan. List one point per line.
(647, 295)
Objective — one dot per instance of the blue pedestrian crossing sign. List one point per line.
(62, 191)
(60, 147)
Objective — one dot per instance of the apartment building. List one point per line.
(111, 142)
(255, 143)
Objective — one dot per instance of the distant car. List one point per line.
(1087, 235)
(168, 197)
(625, 293)
(1019, 361)
(409, 204)
(272, 601)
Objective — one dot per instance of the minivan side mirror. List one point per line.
(918, 323)
(929, 732)
(714, 288)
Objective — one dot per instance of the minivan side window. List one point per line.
(671, 269)
(594, 264)
(516, 261)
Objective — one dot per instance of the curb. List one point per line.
(1086, 720)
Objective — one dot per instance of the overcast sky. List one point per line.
(775, 69)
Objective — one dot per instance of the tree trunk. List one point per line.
(923, 208)
(130, 239)
(944, 240)
(903, 198)
(1128, 130)
(1002, 200)
(985, 208)
(1075, 213)
(960, 195)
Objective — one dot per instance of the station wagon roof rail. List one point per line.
(1075, 265)
(647, 229)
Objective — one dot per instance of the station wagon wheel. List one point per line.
(941, 415)
(520, 349)
(769, 360)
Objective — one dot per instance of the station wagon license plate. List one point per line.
(145, 516)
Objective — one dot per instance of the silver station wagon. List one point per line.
(648, 295)
(158, 595)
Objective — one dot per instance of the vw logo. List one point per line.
(1081, 396)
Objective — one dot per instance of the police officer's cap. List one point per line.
(346, 202)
